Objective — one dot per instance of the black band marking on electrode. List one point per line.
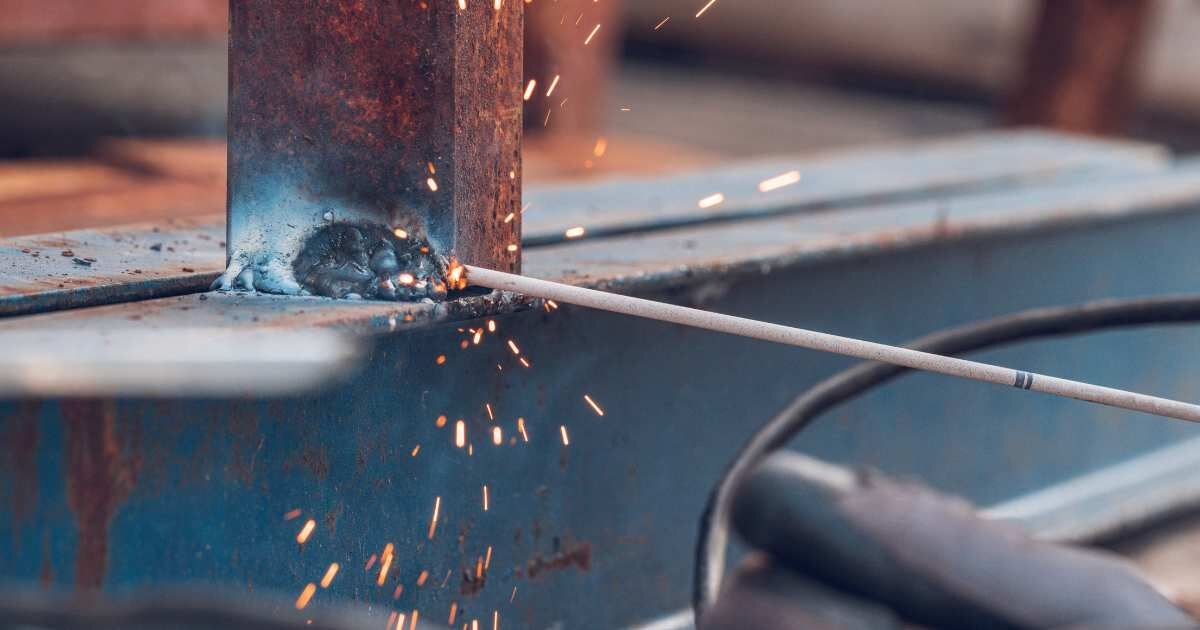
(1024, 380)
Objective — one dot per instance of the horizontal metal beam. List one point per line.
(145, 262)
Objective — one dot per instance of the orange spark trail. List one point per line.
(329, 573)
(437, 507)
(595, 407)
(306, 531)
(305, 596)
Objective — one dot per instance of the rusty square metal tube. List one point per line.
(376, 116)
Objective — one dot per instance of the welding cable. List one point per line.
(713, 538)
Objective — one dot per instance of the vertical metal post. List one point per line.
(399, 117)
(1080, 67)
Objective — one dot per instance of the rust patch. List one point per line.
(314, 459)
(21, 440)
(100, 476)
(578, 555)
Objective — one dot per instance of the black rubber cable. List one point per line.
(1025, 325)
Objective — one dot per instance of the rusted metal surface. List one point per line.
(215, 477)
(19, 484)
(721, 253)
(705, 257)
(90, 267)
(100, 473)
(45, 21)
(1080, 66)
(401, 115)
(218, 476)
(837, 181)
(943, 169)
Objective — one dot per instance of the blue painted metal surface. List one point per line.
(143, 262)
(137, 492)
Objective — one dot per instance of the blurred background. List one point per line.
(114, 110)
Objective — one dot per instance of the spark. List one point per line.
(390, 621)
(495, 620)
(705, 8)
(478, 567)
(530, 88)
(497, 436)
(400, 233)
(524, 362)
(595, 407)
(491, 325)
(441, 359)
(601, 147)
(779, 181)
(292, 514)
(485, 498)
(460, 434)
(370, 562)
(441, 421)
(432, 170)
(462, 5)
(477, 337)
(491, 415)
(553, 84)
(406, 279)
(510, 217)
(384, 565)
(521, 428)
(416, 449)
(663, 22)
(513, 596)
(512, 247)
(575, 232)
(306, 531)
(416, 614)
(487, 558)
(329, 573)
(591, 35)
(422, 577)
(496, 4)
(432, 184)
(398, 591)
(453, 612)
(626, 109)
(305, 596)
(553, 304)
(712, 200)
(512, 345)
(437, 507)
(562, 428)
(474, 624)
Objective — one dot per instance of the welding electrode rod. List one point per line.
(832, 343)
